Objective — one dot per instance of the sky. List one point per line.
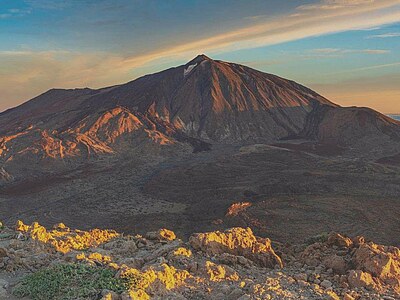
(346, 50)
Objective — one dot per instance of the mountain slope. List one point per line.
(219, 101)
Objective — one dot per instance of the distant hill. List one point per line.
(396, 117)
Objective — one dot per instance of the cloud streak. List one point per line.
(374, 67)
(14, 12)
(337, 51)
(385, 35)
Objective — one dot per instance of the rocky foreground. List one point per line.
(36, 263)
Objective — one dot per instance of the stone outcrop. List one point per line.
(237, 241)
(234, 264)
(380, 261)
(360, 279)
(366, 265)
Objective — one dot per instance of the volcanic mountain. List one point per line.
(200, 103)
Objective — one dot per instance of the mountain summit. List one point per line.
(200, 103)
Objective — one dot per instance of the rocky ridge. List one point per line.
(233, 264)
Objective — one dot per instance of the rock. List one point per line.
(193, 267)
(301, 276)
(225, 289)
(235, 294)
(347, 296)
(360, 279)
(233, 260)
(220, 272)
(163, 250)
(330, 295)
(219, 296)
(162, 234)
(326, 284)
(358, 240)
(237, 241)
(336, 263)
(3, 253)
(336, 239)
(109, 295)
(3, 292)
(381, 262)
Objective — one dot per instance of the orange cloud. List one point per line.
(381, 92)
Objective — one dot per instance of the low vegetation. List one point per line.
(69, 282)
(319, 238)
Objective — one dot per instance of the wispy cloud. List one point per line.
(374, 67)
(385, 35)
(336, 4)
(49, 4)
(337, 51)
(14, 12)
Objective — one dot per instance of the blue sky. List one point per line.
(347, 50)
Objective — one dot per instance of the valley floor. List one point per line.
(293, 194)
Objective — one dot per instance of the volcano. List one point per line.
(200, 103)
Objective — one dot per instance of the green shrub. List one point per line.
(69, 281)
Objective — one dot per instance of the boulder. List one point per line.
(336, 263)
(3, 290)
(380, 261)
(326, 284)
(220, 272)
(360, 279)
(237, 241)
(109, 295)
(162, 234)
(3, 253)
(331, 295)
(336, 239)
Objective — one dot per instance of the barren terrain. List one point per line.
(294, 194)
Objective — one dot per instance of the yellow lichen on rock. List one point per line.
(162, 234)
(63, 239)
(167, 234)
(153, 280)
(20, 226)
(181, 251)
(137, 295)
(92, 258)
(220, 273)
